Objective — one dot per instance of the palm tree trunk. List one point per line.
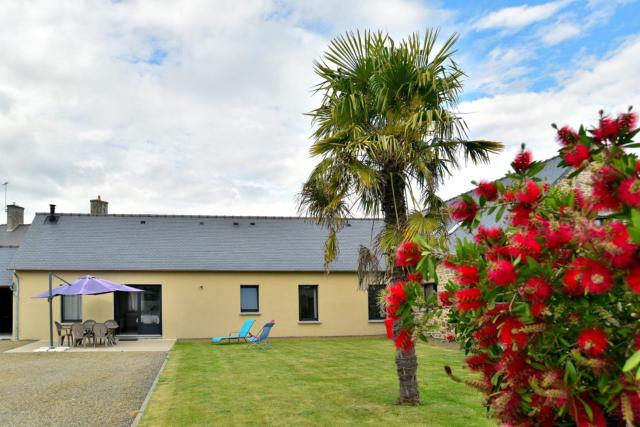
(394, 209)
(407, 367)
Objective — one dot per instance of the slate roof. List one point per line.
(6, 255)
(84, 242)
(551, 173)
(9, 242)
(12, 238)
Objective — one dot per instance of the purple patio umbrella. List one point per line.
(86, 285)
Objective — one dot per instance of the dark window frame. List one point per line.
(315, 297)
(63, 319)
(377, 313)
(257, 288)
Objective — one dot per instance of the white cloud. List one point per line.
(526, 117)
(559, 32)
(217, 128)
(517, 17)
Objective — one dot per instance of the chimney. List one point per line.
(99, 207)
(15, 216)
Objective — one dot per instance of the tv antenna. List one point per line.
(6, 184)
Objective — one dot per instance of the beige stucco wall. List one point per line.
(189, 311)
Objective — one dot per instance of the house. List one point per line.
(11, 235)
(202, 275)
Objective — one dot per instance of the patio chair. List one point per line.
(260, 340)
(242, 334)
(111, 325)
(88, 328)
(78, 334)
(100, 334)
(62, 334)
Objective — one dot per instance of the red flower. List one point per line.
(605, 188)
(404, 340)
(463, 210)
(487, 335)
(520, 216)
(628, 121)
(490, 235)
(510, 335)
(451, 337)
(558, 236)
(637, 341)
(538, 309)
(445, 298)
(629, 192)
(567, 136)
(468, 299)
(477, 362)
(415, 277)
(508, 197)
(488, 190)
(588, 275)
(527, 244)
(633, 279)
(503, 273)
(608, 130)
(535, 289)
(593, 342)
(514, 365)
(408, 254)
(620, 250)
(581, 417)
(388, 324)
(577, 155)
(467, 275)
(529, 194)
(396, 297)
(522, 162)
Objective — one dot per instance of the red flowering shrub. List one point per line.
(547, 306)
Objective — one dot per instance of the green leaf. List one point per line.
(632, 362)
(570, 373)
(501, 213)
(635, 218)
(634, 145)
(634, 233)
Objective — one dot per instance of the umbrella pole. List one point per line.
(50, 312)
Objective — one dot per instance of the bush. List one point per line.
(547, 306)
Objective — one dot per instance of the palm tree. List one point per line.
(386, 136)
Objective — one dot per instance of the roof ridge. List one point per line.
(505, 177)
(195, 216)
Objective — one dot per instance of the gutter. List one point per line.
(16, 314)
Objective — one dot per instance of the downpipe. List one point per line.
(16, 311)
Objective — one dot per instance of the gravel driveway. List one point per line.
(75, 389)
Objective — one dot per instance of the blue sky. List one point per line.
(196, 107)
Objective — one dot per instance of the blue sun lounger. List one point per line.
(242, 334)
(260, 340)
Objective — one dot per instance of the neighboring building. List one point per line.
(11, 235)
(202, 275)
(552, 174)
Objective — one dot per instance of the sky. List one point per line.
(197, 107)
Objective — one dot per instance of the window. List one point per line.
(249, 299)
(429, 289)
(376, 311)
(308, 302)
(71, 308)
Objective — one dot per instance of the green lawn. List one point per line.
(304, 382)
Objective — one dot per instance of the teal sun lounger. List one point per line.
(242, 334)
